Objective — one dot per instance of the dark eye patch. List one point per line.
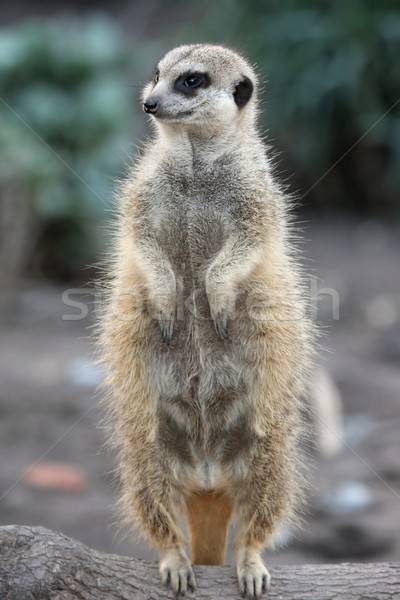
(156, 75)
(188, 83)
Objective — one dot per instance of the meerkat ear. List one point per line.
(243, 91)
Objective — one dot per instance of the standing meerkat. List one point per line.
(205, 335)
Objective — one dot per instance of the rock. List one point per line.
(56, 476)
(347, 498)
(350, 541)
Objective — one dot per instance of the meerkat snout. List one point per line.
(150, 106)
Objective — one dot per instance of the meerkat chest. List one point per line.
(192, 214)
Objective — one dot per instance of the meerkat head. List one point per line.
(201, 86)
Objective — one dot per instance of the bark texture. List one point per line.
(38, 564)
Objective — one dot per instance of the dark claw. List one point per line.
(244, 587)
(180, 590)
(166, 329)
(222, 332)
(191, 582)
(221, 326)
(264, 583)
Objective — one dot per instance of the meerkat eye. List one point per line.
(188, 83)
(193, 81)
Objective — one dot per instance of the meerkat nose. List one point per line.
(150, 106)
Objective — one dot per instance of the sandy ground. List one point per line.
(49, 409)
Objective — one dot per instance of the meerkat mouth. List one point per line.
(179, 116)
(175, 118)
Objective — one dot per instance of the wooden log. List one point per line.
(38, 564)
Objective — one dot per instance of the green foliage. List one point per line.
(65, 107)
(331, 71)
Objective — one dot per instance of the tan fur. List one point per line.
(205, 336)
(209, 516)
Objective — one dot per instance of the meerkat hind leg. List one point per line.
(253, 576)
(176, 571)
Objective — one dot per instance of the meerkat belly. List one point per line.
(202, 462)
(203, 385)
(191, 222)
(205, 420)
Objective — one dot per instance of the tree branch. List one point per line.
(38, 564)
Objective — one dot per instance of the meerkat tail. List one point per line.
(209, 517)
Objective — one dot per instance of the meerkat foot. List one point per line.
(254, 578)
(176, 571)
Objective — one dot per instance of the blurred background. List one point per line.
(70, 118)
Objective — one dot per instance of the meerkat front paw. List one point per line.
(254, 578)
(163, 308)
(176, 571)
(166, 322)
(220, 322)
(221, 299)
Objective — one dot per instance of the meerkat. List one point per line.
(205, 334)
